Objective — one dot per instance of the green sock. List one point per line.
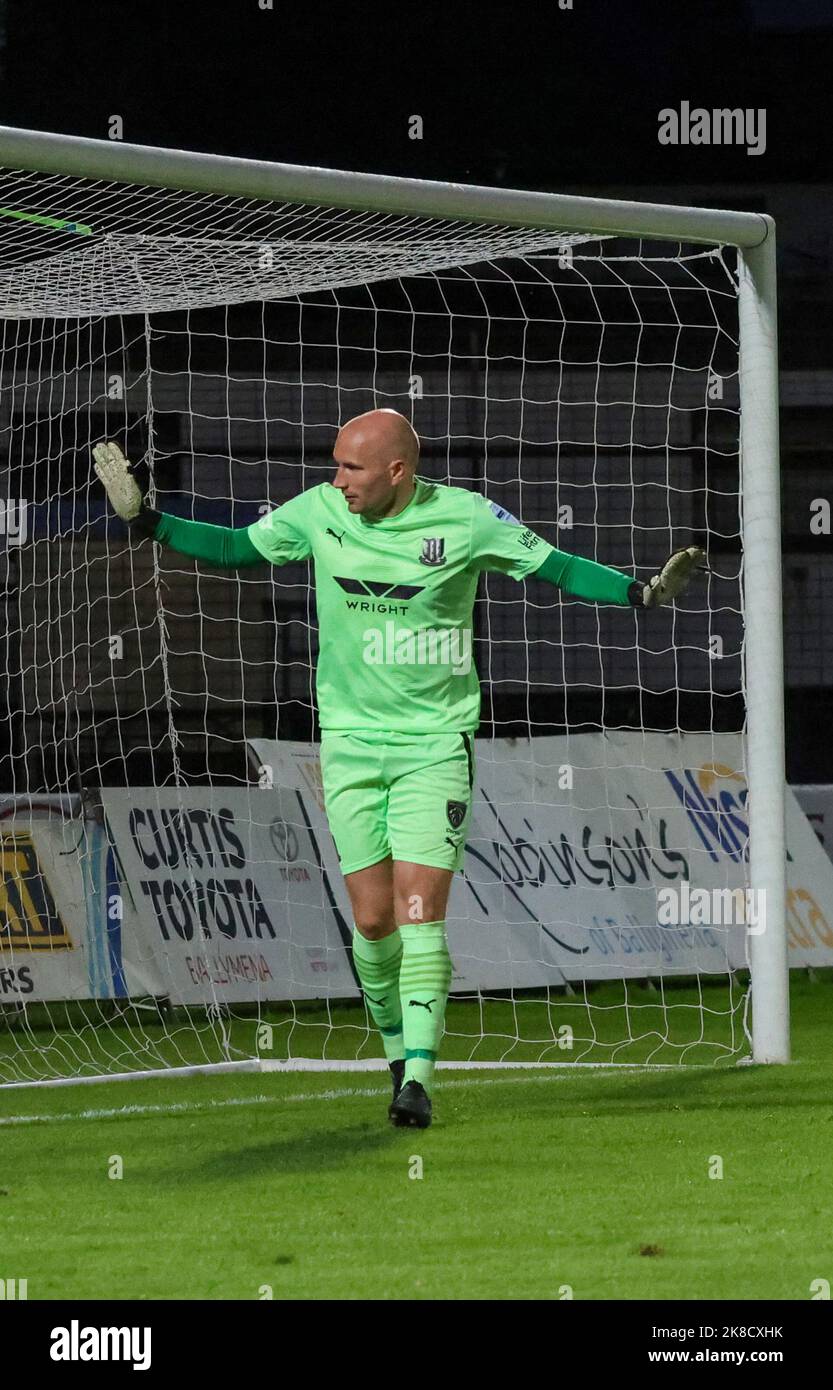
(377, 966)
(424, 980)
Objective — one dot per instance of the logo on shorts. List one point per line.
(433, 550)
(456, 812)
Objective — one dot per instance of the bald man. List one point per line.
(397, 561)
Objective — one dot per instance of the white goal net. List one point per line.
(171, 893)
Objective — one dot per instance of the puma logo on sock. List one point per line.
(417, 1003)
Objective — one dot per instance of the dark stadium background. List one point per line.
(528, 96)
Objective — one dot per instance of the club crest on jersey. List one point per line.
(456, 812)
(433, 548)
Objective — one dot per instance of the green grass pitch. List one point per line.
(533, 1184)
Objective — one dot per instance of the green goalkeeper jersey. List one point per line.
(395, 600)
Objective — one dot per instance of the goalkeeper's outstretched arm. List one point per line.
(601, 584)
(227, 547)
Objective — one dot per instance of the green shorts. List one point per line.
(404, 795)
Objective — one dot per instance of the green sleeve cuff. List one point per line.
(227, 547)
(588, 580)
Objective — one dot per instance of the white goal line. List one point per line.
(314, 1064)
(195, 1106)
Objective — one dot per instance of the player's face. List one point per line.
(365, 484)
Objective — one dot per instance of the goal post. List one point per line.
(441, 221)
(118, 161)
(764, 678)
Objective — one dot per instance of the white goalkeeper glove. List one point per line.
(674, 577)
(121, 487)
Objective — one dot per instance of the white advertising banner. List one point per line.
(816, 801)
(589, 857)
(571, 842)
(65, 931)
(232, 892)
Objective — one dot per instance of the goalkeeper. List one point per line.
(397, 560)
